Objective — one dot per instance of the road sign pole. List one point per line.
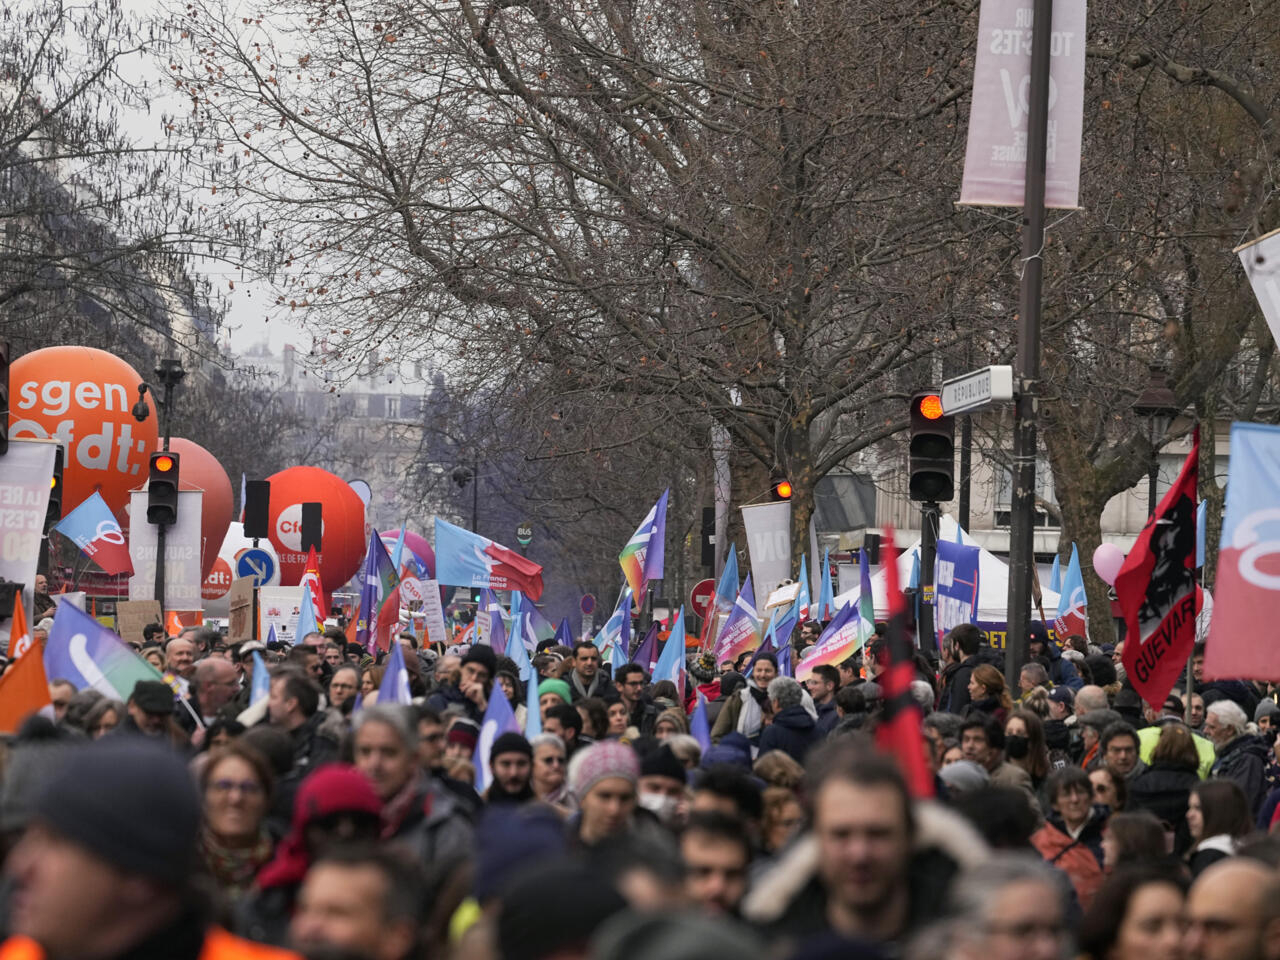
(928, 555)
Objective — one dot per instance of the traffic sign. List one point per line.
(977, 389)
(524, 533)
(258, 564)
(701, 595)
(588, 604)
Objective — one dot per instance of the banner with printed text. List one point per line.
(25, 472)
(956, 590)
(182, 541)
(996, 155)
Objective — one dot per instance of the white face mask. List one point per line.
(660, 805)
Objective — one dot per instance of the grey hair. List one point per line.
(398, 717)
(547, 740)
(922, 694)
(1229, 714)
(786, 691)
(684, 746)
(974, 892)
(1036, 673)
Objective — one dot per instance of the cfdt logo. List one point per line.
(289, 527)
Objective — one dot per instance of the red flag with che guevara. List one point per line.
(1156, 588)
(899, 730)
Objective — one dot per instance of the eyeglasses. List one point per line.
(249, 788)
(552, 761)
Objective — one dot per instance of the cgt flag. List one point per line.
(93, 528)
(1156, 589)
(1248, 582)
(466, 559)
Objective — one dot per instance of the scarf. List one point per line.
(234, 868)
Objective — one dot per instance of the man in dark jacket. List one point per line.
(822, 686)
(1242, 757)
(966, 648)
(586, 679)
(641, 713)
(293, 705)
(1062, 672)
(794, 729)
(471, 692)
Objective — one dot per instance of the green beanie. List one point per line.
(558, 687)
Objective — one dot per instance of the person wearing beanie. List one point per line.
(475, 681)
(552, 693)
(662, 788)
(602, 778)
(106, 868)
(511, 762)
(1265, 714)
(460, 740)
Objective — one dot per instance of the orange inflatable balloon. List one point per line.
(82, 397)
(343, 539)
(200, 468)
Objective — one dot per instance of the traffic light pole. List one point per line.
(929, 513)
(170, 374)
(1027, 363)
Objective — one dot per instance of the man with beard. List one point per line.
(511, 762)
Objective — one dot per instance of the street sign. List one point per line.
(588, 604)
(977, 389)
(256, 564)
(524, 533)
(700, 596)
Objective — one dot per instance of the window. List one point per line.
(1044, 491)
(393, 408)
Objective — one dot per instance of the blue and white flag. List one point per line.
(515, 640)
(671, 661)
(699, 728)
(306, 616)
(395, 681)
(533, 711)
(260, 685)
(81, 650)
(1055, 574)
(499, 718)
(826, 596)
(1072, 618)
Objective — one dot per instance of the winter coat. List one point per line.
(788, 901)
(955, 679)
(1075, 858)
(727, 722)
(1209, 851)
(436, 828)
(447, 695)
(793, 732)
(1243, 760)
(988, 705)
(827, 718)
(1062, 671)
(599, 686)
(312, 746)
(1163, 789)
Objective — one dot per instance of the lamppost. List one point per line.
(1158, 405)
(462, 475)
(170, 373)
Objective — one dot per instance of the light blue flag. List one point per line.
(515, 639)
(533, 721)
(242, 496)
(826, 597)
(398, 550)
(87, 654)
(1202, 524)
(616, 631)
(619, 654)
(306, 616)
(804, 600)
(261, 684)
(783, 648)
(913, 581)
(699, 728)
(497, 636)
(499, 718)
(670, 664)
(395, 682)
(959, 538)
(866, 600)
(1055, 575)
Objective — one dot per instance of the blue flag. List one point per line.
(647, 653)
(1202, 518)
(261, 683)
(533, 718)
(1072, 618)
(1055, 574)
(670, 664)
(826, 597)
(804, 601)
(699, 728)
(306, 616)
(496, 635)
(515, 641)
(81, 650)
(499, 718)
(564, 633)
(395, 681)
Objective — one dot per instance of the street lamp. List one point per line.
(462, 475)
(1158, 405)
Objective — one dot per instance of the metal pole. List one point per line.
(1027, 365)
(966, 469)
(929, 513)
(161, 528)
(1151, 488)
(475, 496)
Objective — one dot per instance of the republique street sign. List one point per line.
(977, 389)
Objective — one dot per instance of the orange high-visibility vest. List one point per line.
(218, 945)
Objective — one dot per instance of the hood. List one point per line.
(795, 718)
(1246, 743)
(938, 828)
(733, 749)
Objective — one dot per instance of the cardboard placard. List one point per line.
(133, 615)
(240, 610)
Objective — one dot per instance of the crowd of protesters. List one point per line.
(1069, 818)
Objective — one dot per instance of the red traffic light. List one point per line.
(931, 406)
(782, 489)
(162, 464)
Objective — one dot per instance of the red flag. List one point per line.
(19, 632)
(899, 731)
(1156, 588)
(24, 689)
(311, 576)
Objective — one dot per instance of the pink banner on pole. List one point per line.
(996, 154)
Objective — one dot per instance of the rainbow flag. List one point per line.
(841, 640)
(86, 653)
(741, 631)
(642, 558)
(866, 600)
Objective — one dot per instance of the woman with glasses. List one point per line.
(236, 784)
(550, 766)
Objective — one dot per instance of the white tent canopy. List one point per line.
(993, 581)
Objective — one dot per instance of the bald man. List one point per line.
(1090, 697)
(1233, 912)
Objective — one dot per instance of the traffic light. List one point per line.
(781, 489)
(54, 513)
(4, 397)
(162, 489)
(933, 436)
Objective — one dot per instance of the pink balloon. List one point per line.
(1107, 561)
